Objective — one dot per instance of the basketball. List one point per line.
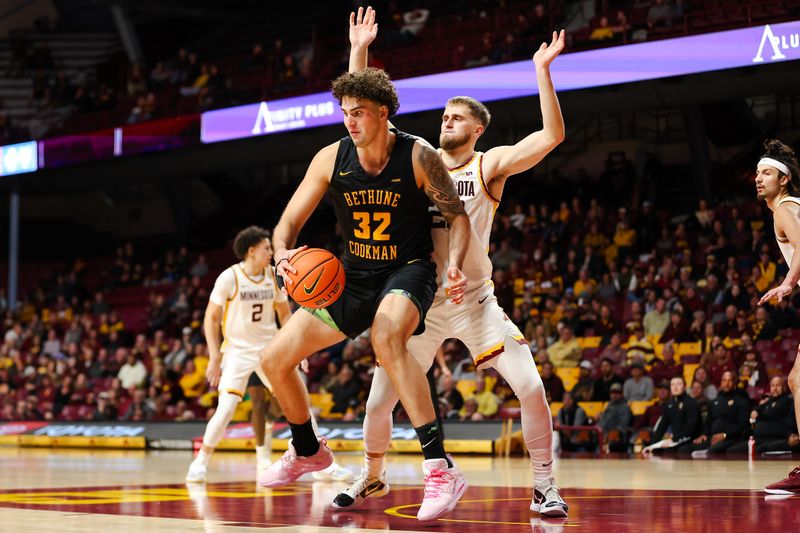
(319, 280)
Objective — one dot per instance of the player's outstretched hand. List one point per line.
(363, 28)
(282, 265)
(779, 292)
(457, 284)
(547, 53)
(213, 372)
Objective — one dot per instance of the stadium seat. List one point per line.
(763, 345)
(591, 355)
(688, 373)
(592, 409)
(688, 348)
(466, 387)
(324, 402)
(589, 342)
(639, 407)
(69, 413)
(569, 376)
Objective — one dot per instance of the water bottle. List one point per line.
(751, 447)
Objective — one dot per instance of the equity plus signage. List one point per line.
(270, 117)
(605, 66)
(780, 44)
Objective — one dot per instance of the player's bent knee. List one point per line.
(274, 362)
(385, 343)
(380, 406)
(530, 388)
(227, 403)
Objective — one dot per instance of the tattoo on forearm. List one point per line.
(440, 187)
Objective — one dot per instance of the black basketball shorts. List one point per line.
(354, 311)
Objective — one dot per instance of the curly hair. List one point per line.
(775, 149)
(250, 236)
(476, 108)
(369, 84)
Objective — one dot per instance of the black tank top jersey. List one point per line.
(384, 218)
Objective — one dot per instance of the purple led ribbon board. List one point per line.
(607, 66)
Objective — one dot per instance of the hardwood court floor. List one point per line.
(65, 491)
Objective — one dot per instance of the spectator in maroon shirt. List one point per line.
(722, 362)
(584, 388)
(602, 386)
(677, 330)
(614, 351)
(553, 386)
(605, 324)
(763, 328)
(740, 327)
(653, 412)
(666, 368)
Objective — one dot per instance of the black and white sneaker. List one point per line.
(547, 499)
(363, 487)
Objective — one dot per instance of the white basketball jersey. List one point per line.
(786, 247)
(248, 320)
(480, 207)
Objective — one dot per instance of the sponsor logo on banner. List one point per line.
(288, 118)
(776, 45)
(170, 444)
(282, 431)
(90, 431)
(18, 158)
(18, 428)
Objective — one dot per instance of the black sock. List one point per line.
(435, 399)
(304, 439)
(430, 438)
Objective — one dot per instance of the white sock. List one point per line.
(202, 458)
(375, 463)
(261, 452)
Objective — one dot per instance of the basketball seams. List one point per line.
(316, 267)
(333, 279)
(299, 281)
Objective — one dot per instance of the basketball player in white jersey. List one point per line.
(493, 340)
(241, 310)
(778, 184)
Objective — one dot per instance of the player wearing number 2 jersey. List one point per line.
(242, 309)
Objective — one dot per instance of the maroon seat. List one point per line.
(85, 412)
(69, 413)
(789, 344)
(763, 345)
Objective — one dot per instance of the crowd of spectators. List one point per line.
(68, 353)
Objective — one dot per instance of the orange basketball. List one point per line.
(319, 280)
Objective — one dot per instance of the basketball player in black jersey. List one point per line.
(381, 182)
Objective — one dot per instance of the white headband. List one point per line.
(775, 163)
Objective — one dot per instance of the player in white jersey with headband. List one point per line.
(478, 321)
(239, 321)
(778, 184)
